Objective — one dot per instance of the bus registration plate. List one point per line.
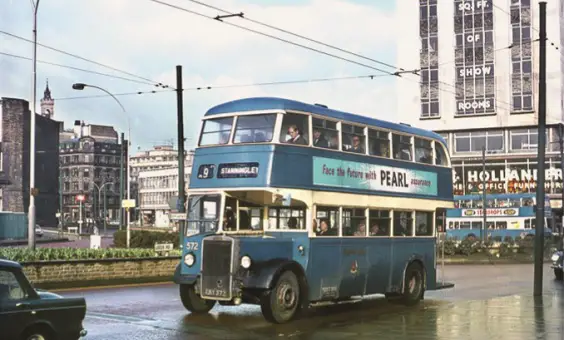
(215, 293)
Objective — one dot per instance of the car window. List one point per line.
(10, 288)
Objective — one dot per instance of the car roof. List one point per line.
(9, 264)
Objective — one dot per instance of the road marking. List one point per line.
(132, 285)
(117, 317)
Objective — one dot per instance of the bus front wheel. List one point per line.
(414, 284)
(559, 273)
(282, 303)
(193, 302)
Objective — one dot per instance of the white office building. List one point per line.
(160, 157)
(479, 63)
(157, 190)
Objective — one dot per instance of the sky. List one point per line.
(149, 39)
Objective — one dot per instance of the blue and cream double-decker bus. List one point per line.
(292, 204)
(507, 215)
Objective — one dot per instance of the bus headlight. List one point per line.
(555, 257)
(245, 262)
(189, 259)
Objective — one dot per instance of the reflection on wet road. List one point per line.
(488, 302)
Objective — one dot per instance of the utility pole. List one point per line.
(61, 214)
(561, 141)
(32, 190)
(483, 230)
(539, 232)
(121, 182)
(180, 122)
(104, 217)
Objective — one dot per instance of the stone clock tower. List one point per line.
(47, 103)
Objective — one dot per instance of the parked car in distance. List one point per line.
(38, 230)
(33, 314)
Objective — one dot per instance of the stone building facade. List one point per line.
(90, 159)
(15, 119)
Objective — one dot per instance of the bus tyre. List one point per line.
(193, 302)
(282, 303)
(414, 284)
(559, 273)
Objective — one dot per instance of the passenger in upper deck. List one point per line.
(325, 229)
(295, 136)
(356, 146)
(319, 139)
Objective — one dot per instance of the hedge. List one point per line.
(50, 254)
(505, 248)
(144, 239)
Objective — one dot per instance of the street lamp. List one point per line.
(32, 191)
(80, 87)
(100, 198)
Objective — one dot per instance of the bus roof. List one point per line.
(273, 103)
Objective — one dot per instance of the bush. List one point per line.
(50, 254)
(505, 249)
(144, 239)
(450, 248)
(508, 240)
(467, 246)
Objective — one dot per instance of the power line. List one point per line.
(156, 84)
(241, 15)
(116, 95)
(532, 26)
(524, 42)
(77, 69)
(200, 88)
(398, 73)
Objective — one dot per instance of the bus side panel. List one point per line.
(323, 270)
(366, 265)
(407, 249)
(355, 266)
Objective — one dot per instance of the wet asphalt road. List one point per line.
(487, 302)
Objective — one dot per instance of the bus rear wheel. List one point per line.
(193, 302)
(414, 285)
(559, 273)
(282, 303)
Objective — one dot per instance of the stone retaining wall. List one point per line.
(80, 273)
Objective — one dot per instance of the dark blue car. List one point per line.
(32, 314)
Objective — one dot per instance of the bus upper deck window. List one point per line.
(402, 147)
(325, 134)
(440, 155)
(379, 143)
(353, 138)
(254, 128)
(216, 131)
(295, 129)
(423, 151)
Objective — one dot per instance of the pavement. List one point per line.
(488, 302)
(52, 239)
